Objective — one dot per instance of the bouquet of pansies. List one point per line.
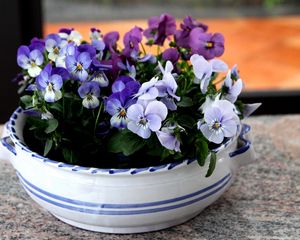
(102, 105)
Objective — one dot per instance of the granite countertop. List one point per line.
(263, 202)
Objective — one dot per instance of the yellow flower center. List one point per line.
(79, 67)
(122, 113)
(56, 50)
(209, 44)
(216, 125)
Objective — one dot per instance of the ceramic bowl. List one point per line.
(124, 200)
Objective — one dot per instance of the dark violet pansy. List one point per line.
(89, 92)
(110, 40)
(116, 105)
(38, 44)
(206, 44)
(160, 27)
(182, 36)
(171, 54)
(131, 42)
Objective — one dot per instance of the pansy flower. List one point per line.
(70, 35)
(30, 60)
(131, 42)
(182, 36)
(78, 65)
(160, 27)
(50, 84)
(89, 92)
(204, 69)
(220, 121)
(117, 104)
(54, 44)
(206, 44)
(167, 139)
(148, 90)
(167, 86)
(146, 117)
(232, 88)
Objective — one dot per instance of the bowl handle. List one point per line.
(245, 153)
(7, 149)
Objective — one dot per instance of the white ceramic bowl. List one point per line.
(123, 200)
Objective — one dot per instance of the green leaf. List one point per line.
(185, 102)
(26, 101)
(212, 164)
(48, 146)
(125, 142)
(52, 125)
(201, 151)
(186, 121)
(69, 155)
(56, 106)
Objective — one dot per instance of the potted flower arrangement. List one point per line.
(122, 139)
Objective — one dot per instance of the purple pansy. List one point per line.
(146, 118)
(160, 27)
(50, 84)
(110, 40)
(171, 54)
(220, 121)
(30, 60)
(131, 42)
(54, 44)
(89, 92)
(233, 88)
(116, 105)
(38, 44)
(204, 69)
(67, 50)
(167, 139)
(78, 65)
(206, 44)
(182, 36)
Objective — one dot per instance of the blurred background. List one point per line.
(262, 36)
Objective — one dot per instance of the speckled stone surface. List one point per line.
(263, 202)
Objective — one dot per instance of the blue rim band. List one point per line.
(125, 212)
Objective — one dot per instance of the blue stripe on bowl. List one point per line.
(121, 206)
(246, 128)
(126, 212)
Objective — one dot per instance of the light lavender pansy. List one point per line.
(204, 69)
(220, 121)
(145, 118)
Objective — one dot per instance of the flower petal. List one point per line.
(154, 122)
(91, 102)
(34, 71)
(112, 106)
(139, 130)
(158, 108)
(135, 112)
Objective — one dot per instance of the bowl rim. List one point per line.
(99, 171)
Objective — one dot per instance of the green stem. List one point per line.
(98, 115)
(143, 48)
(158, 50)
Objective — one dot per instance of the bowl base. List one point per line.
(127, 230)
